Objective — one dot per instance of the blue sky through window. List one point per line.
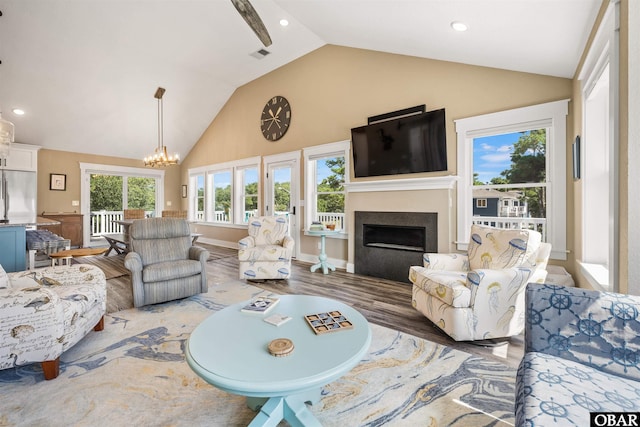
(282, 175)
(492, 155)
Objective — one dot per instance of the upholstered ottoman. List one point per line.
(46, 311)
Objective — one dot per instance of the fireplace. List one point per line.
(388, 243)
(398, 237)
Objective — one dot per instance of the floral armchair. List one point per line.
(266, 252)
(480, 295)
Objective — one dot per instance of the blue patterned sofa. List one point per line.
(46, 311)
(582, 355)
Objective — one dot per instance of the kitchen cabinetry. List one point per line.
(70, 226)
(13, 254)
(22, 157)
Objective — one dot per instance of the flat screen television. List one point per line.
(410, 144)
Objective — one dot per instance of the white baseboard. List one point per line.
(307, 258)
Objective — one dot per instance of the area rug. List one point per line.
(134, 373)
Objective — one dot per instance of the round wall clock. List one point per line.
(275, 118)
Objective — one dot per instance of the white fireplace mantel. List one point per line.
(409, 184)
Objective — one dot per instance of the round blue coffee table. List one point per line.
(230, 351)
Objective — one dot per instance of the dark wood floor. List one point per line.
(384, 302)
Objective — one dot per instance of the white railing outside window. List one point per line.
(103, 222)
(538, 224)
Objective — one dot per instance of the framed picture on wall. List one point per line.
(57, 181)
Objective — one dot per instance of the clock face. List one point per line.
(275, 118)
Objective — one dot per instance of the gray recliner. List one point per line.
(163, 263)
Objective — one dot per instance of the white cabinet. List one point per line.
(22, 157)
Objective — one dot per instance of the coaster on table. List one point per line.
(281, 347)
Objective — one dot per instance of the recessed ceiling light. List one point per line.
(284, 22)
(18, 111)
(459, 26)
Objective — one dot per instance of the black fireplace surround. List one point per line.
(388, 243)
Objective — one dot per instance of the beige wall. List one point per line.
(63, 162)
(335, 88)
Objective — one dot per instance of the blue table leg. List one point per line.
(326, 266)
(293, 409)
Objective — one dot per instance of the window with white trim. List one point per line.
(220, 189)
(481, 203)
(247, 205)
(598, 158)
(513, 165)
(326, 172)
(548, 184)
(197, 199)
(225, 193)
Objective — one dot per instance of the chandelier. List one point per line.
(160, 157)
(7, 132)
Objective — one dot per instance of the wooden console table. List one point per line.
(70, 226)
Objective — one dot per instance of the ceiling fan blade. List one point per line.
(251, 17)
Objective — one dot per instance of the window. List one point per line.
(326, 167)
(225, 193)
(110, 189)
(481, 203)
(197, 202)
(247, 179)
(599, 189)
(515, 155)
(220, 185)
(513, 165)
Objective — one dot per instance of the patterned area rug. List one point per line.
(134, 373)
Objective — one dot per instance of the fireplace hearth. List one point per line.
(388, 243)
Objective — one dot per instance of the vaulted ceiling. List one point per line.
(85, 71)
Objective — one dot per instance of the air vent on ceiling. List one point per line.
(260, 53)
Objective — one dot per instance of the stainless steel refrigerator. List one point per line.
(18, 197)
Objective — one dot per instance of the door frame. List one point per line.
(291, 159)
(87, 169)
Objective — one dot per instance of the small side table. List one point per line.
(326, 266)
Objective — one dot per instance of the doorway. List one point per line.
(107, 190)
(282, 190)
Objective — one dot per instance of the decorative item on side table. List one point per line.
(57, 181)
(316, 226)
(260, 305)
